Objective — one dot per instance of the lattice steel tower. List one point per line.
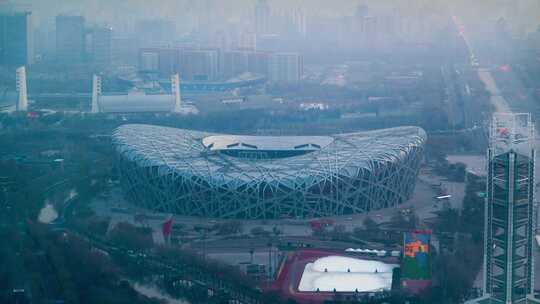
(509, 211)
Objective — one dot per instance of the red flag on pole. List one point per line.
(167, 227)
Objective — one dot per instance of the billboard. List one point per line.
(416, 261)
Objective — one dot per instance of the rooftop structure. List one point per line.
(214, 175)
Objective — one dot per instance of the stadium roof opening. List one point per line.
(265, 147)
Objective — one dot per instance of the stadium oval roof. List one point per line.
(188, 153)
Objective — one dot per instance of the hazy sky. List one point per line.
(109, 11)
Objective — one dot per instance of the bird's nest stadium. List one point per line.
(261, 177)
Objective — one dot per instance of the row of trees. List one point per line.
(390, 233)
(80, 272)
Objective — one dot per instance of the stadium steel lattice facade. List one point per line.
(252, 177)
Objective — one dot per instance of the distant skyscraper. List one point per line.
(15, 38)
(534, 40)
(299, 20)
(44, 41)
(124, 50)
(258, 63)
(162, 61)
(192, 64)
(262, 17)
(270, 43)
(101, 46)
(285, 67)
(169, 61)
(362, 11)
(370, 31)
(248, 41)
(234, 63)
(509, 212)
(155, 33)
(70, 39)
(199, 65)
(149, 60)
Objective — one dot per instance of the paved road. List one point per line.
(421, 202)
(476, 163)
(154, 292)
(499, 102)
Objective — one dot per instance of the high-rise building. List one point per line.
(234, 63)
(191, 64)
(258, 63)
(155, 33)
(101, 46)
(149, 60)
(44, 41)
(370, 31)
(169, 61)
(285, 67)
(163, 61)
(124, 50)
(15, 38)
(270, 43)
(200, 65)
(534, 40)
(509, 212)
(70, 39)
(362, 11)
(248, 41)
(299, 21)
(262, 17)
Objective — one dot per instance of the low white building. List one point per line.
(346, 274)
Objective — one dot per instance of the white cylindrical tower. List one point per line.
(175, 87)
(22, 103)
(96, 93)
